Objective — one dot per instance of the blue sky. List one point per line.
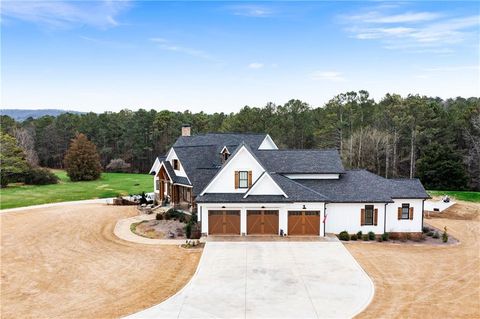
(220, 56)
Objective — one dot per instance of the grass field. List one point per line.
(465, 196)
(109, 185)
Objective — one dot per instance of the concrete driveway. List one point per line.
(270, 280)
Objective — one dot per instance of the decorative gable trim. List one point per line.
(162, 164)
(268, 144)
(264, 176)
(154, 168)
(225, 149)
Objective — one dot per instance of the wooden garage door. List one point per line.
(224, 222)
(262, 222)
(304, 223)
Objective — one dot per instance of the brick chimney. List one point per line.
(186, 130)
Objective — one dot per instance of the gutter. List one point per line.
(324, 219)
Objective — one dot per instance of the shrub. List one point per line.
(445, 235)
(430, 233)
(365, 237)
(40, 176)
(371, 235)
(354, 237)
(344, 236)
(436, 235)
(159, 216)
(359, 234)
(82, 161)
(118, 165)
(380, 239)
(385, 236)
(188, 230)
(12, 159)
(425, 229)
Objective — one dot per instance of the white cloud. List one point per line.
(431, 32)
(332, 76)
(255, 65)
(251, 10)
(63, 14)
(408, 17)
(164, 44)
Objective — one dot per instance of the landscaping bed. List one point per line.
(429, 236)
(172, 224)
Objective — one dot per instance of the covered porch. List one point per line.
(171, 192)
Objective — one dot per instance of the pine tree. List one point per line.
(82, 161)
(12, 160)
(441, 168)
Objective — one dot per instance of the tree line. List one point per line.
(414, 136)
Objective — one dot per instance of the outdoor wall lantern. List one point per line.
(263, 206)
(304, 207)
(223, 206)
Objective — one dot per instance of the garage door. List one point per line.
(262, 222)
(224, 222)
(304, 223)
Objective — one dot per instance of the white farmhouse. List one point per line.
(242, 184)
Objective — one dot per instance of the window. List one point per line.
(405, 211)
(224, 157)
(243, 179)
(176, 164)
(368, 214)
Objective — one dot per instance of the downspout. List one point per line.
(423, 211)
(324, 219)
(385, 218)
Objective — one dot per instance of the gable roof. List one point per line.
(301, 161)
(365, 187)
(263, 176)
(173, 176)
(224, 139)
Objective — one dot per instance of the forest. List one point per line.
(429, 138)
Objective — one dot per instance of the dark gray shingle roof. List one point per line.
(301, 161)
(221, 139)
(363, 186)
(296, 191)
(238, 198)
(176, 179)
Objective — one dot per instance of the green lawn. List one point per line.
(466, 196)
(109, 185)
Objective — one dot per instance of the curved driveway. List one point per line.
(270, 280)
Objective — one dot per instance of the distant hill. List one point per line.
(22, 114)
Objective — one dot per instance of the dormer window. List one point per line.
(176, 165)
(224, 154)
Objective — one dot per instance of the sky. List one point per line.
(219, 56)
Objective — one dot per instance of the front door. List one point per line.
(224, 222)
(303, 223)
(262, 222)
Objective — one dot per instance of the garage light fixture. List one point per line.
(304, 207)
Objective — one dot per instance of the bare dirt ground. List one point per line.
(422, 281)
(65, 262)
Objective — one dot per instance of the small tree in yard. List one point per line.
(82, 161)
(12, 160)
(118, 165)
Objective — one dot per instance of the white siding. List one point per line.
(170, 157)
(346, 216)
(265, 186)
(224, 182)
(268, 144)
(404, 225)
(313, 176)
